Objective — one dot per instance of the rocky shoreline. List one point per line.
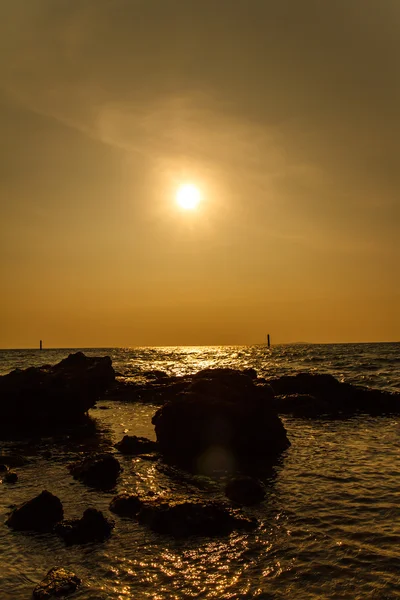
(217, 420)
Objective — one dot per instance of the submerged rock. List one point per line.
(13, 460)
(314, 395)
(92, 527)
(131, 444)
(39, 514)
(126, 505)
(222, 418)
(54, 394)
(184, 519)
(245, 491)
(181, 518)
(97, 470)
(10, 477)
(58, 583)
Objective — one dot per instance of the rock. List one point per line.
(245, 491)
(221, 419)
(3, 468)
(126, 505)
(184, 519)
(97, 470)
(13, 460)
(130, 444)
(302, 405)
(58, 582)
(10, 477)
(39, 514)
(92, 527)
(54, 394)
(314, 395)
(181, 518)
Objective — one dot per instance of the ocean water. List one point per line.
(329, 527)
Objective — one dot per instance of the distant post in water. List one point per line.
(268, 341)
(41, 345)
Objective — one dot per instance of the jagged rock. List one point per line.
(39, 514)
(54, 394)
(184, 519)
(313, 395)
(92, 527)
(245, 491)
(131, 444)
(126, 505)
(222, 418)
(10, 477)
(97, 470)
(58, 583)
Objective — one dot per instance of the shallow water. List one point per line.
(330, 527)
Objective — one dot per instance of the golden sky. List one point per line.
(285, 115)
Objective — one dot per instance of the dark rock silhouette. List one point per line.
(130, 444)
(97, 470)
(245, 490)
(13, 460)
(222, 418)
(39, 514)
(126, 505)
(54, 394)
(10, 477)
(58, 583)
(92, 527)
(307, 394)
(181, 518)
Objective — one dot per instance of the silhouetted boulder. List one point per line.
(184, 519)
(314, 395)
(126, 505)
(10, 477)
(245, 491)
(39, 514)
(54, 394)
(97, 470)
(13, 460)
(58, 583)
(131, 444)
(92, 527)
(222, 418)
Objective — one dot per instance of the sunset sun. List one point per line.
(188, 196)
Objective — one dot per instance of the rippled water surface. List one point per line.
(329, 528)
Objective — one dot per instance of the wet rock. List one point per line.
(97, 470)
(222, 418)
(314, 395)
(184, 519)
(54, 394)
(245, 491)
(92, 527)
(126, 505)
(39, 514)
(10, 477)
(130, 444)
(302, 405)
(58, 583)
(13, 460)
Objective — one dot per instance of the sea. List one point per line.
(328, 529)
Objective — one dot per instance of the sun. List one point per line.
(188, 196)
